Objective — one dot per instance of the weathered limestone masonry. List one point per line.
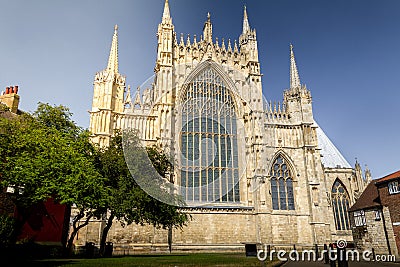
(283, 181)
(372, 235)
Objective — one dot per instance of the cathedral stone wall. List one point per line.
(215, 68)
(225, 229)
(218, 227)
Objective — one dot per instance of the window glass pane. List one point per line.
(394, 187)
(210, 184)
(359, 218)
(190, 186)
(209, 140)
(274, 193)
(290, 196)
(377, 215)
(183, 183)
(196, 183)
(346, 217)
(337, 217)
(281, 186)
(282, 194)
(203, 185)
(340, 206)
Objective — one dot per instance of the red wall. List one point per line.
(46, 223)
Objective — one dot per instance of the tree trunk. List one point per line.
(170, 238)
(105, 233)
(75, 230)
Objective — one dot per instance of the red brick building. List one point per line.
(389, 194)
(376, 216)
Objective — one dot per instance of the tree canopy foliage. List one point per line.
(45, 154)
(127, 202)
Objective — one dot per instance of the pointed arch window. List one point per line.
(340, 205)
(209, 150)
(281, 186)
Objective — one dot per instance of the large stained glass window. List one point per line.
(209, 161)
(281, 186)
(340, 205)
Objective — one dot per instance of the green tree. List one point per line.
(128, 203)
(86, 190)
(45, 155)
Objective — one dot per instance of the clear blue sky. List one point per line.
(346, 50)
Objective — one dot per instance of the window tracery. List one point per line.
(281, 185)
(340, 205)
(210, 171)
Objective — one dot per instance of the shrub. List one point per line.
(7, 230)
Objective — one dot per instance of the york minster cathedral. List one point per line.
(248, 169)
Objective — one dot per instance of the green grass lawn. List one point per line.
(200, 259)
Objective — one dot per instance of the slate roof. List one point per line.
(331, 156)
(368, 199)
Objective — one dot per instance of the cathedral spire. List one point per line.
(166, 15)
(112, 65)
(246, 25)
(207, 30)
(294, 74)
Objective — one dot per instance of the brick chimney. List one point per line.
(10, 98)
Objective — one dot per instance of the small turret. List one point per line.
(128, 99)
(108, 97)
(223, 48)
(165, 36)
(249, 49)
(235, 49)
(368, 176)
(138, 102)
(229, 46)
(181, 42)
(195, 41)
(298, 98)
(188, 41)
(207, 29)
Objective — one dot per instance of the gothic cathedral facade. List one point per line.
(250, 171)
